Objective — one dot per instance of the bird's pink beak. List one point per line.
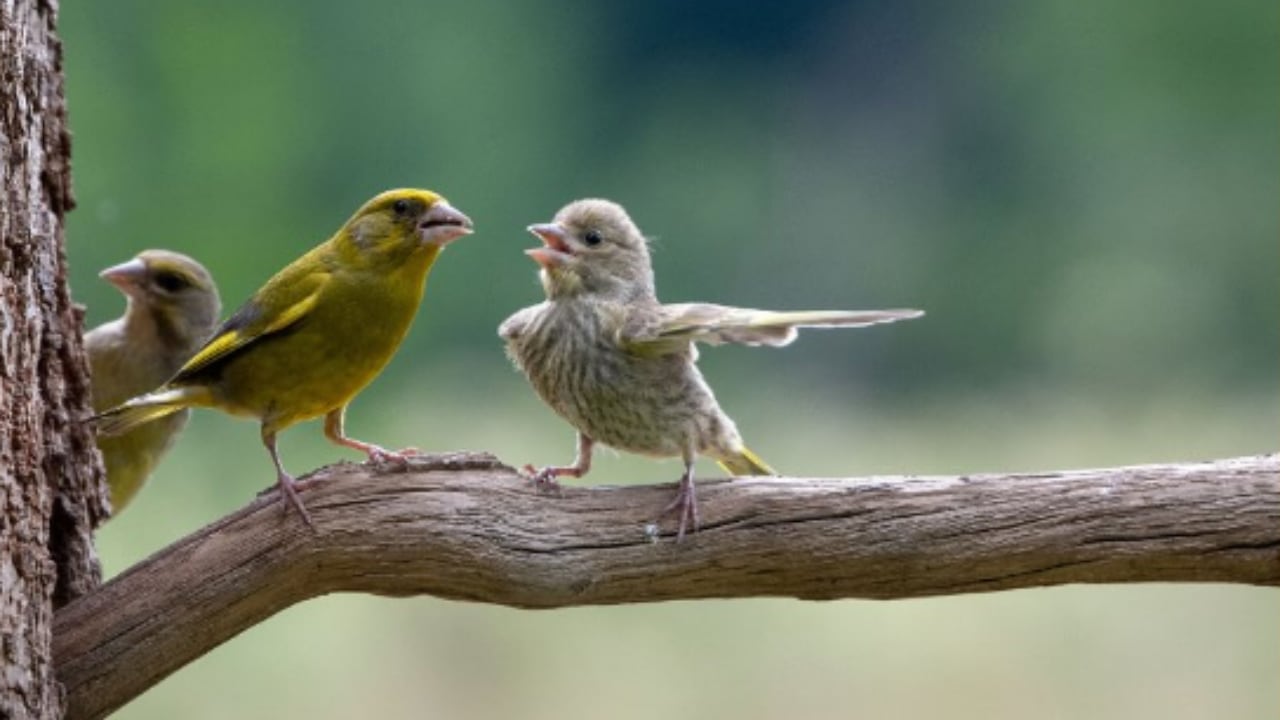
(127, 276)
(443, 224)
(555, 250)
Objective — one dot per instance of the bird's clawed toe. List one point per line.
(289, 496)
(544, 479)
(685, 507)
(381, 456)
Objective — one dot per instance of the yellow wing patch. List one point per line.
(253, 321)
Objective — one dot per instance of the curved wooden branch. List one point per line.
(467, 527)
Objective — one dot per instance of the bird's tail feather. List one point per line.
(745, 463)
(143, 409)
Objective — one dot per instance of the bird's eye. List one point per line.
(170, 281)
(401, 207)
(592, 238)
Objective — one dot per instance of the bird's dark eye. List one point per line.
(592, 238)
(170, 281)
(401, 207)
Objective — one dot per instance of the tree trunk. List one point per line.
(51, 493)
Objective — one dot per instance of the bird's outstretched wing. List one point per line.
(673, 327)
(280, 304)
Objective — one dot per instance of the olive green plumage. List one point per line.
(318, 332)
(172, 307)
(620, 366)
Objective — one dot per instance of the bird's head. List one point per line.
(593, 247)
(173, 291)
(399, 223)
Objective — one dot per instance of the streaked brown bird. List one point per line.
(172, 308)
(620, 366)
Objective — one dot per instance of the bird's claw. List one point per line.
(289, 497)
(543, 479)
(380, 455)
(685, 506)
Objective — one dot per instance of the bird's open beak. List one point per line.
(127, 276)
(443, 224)
(555, 250)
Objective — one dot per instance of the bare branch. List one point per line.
(467, 527)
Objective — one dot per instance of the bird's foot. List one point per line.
(289, 496)
(375, 454)
(380, 455)
(545, 479)
(685, 506)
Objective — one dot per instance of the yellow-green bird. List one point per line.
(172, 308)
(620, 366)
(318, 332)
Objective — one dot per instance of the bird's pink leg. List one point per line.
(545, 478)
(685, 503)
(333, 429)
(284, 480)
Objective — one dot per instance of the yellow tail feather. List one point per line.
(746, 463)
(142, 409)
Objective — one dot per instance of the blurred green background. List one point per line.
(1082, 195)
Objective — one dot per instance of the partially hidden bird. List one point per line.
(317, 332)
(619, 365)
(171, 309)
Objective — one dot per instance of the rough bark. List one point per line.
(467, 527)
(50, 486)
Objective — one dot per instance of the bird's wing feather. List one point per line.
(513, 327)
(675, 326)
(254, 320)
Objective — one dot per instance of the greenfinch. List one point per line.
(619, 366)
(171, 309)
(317, 333)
